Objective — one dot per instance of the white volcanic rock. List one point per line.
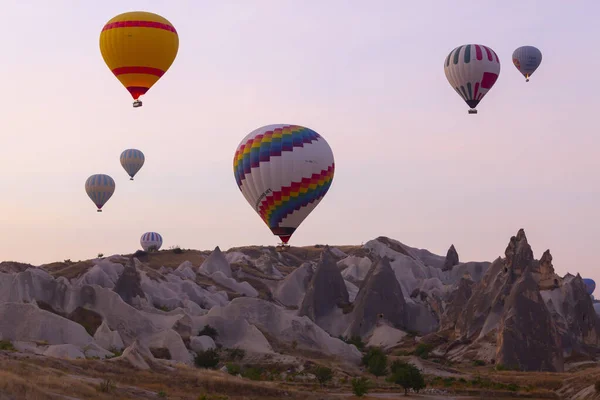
(67, 351)
(108, 339)
(26, 322)
(284, 326)
(185, 271)
(291, 290)
(216, 262)
(385, 336)
(239, 287)
(201, 343)
(168, 339)
(137, 355)
(352, 291)
(236, 333)
(356, 268)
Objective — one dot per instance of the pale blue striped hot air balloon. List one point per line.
(151, 241)
(527, 59)
(132, 161)
(100, 188)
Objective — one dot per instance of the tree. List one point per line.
(209, 331)
(376, 361)
(323, 375)
(360, 386)
(207, 359)
(406, 375)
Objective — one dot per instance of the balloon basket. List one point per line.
(130, 179)
(137, 103)
(98, 210)
(282, 247)
(472, 111)
(526, 80)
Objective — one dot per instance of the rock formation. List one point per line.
(527, 337)
(129, 285)
(326, 291)
(379, 297)
(451, 259)
(216, 262)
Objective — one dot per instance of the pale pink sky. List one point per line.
(411, 164)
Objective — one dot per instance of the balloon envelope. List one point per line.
(527, 59)
(472, 70)
(590, 285)
(132, 160)
(100, 188)
(283, 171)
(138, 47)
(151, 240)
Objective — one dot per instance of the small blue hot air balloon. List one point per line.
(590, 285)
(132, 160)
(527, 59)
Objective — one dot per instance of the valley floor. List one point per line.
(30, 377)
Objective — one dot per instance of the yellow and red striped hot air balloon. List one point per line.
(138, 47)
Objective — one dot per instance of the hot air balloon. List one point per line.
(151, 241)
(100, 188)
(283, 171)
(138, 47)
(527, 59)
(590, 285)
(472, 70)
(132, 160)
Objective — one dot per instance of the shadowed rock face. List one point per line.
(457, 300)
(129, 285)
(527, 336)
(326, 291)
(380, 296)
(582, 323)
(451, 259)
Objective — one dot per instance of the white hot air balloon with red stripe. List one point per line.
(283, 171)
(472, 70)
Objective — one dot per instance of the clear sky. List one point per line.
(411, 164)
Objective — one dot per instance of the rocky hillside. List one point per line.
(154, 309)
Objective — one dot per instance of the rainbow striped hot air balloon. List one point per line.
(283, 171)
(132, 160)
(100, 188)
(138, 47)
(151, 241)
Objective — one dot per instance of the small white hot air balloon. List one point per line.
(151, 241)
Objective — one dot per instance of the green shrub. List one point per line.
(106, 386)
(209, 331)
(323, 375)
(207, 359)
(406, 375)
(360, 386)
(478, 363)
(423, 350)
(376, 361)
(236, 354)
(6, 345)
(234, 369)
(252, 373)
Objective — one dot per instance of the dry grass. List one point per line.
(69, 270)
(40, 378)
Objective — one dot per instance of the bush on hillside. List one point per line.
(360, 386)
(376, 361)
